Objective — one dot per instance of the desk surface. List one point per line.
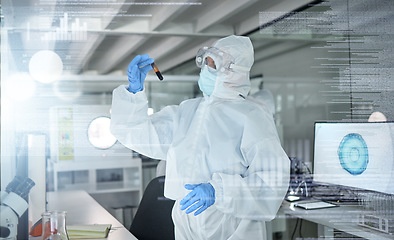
(83, 209)
(343, 218)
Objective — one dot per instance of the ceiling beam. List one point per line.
(135, 26)
(273, 49)
(175, 31)
(275, 11)
(221, 12)
(165, 46)
(115, 8)
(166, 14)
(141, 27)
(119, 50)
(223, 29)
(92, 45)
(157, 51)
(183, 56)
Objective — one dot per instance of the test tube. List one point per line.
(157, 71)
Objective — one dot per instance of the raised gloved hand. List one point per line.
(136, 72)
(201, 197)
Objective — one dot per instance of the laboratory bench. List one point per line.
(82, 209)
(343, 218)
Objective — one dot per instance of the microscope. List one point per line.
(300, 182)
(13, 204)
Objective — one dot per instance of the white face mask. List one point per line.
(207, 80)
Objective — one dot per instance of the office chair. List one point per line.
(153, 217)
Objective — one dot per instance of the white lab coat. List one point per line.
(231, 143)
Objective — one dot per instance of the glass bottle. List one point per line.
(54, 225)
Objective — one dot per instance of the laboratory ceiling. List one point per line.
(101, 37)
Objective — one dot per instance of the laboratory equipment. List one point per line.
(356, 155)
(54, 225)
(11, 187)
(314, 204)
(157, 71)
(300, 182)
(355, 164)
(378, 211)
(13, 205)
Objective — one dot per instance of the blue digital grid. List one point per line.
(353, 154)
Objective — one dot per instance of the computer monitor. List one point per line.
(358, 155)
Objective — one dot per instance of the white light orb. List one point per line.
(377, 117)
(45, 66)
(99, 133)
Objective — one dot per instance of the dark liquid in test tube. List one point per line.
(157, 71)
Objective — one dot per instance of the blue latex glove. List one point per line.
(201, 197)
(136, 72)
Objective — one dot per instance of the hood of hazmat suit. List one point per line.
(235, 82)
(223, 139)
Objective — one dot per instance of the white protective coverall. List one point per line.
(222, 139)
(265, 98)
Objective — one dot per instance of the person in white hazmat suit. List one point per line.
(225, 166)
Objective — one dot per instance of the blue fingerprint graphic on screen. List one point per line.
(353, 153)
